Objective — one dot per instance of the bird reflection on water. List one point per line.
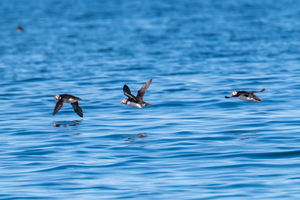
(134, 137)
(250, 137)
(66, 123)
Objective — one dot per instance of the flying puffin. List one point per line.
(67, 98)
(136, 101)
(246, 96)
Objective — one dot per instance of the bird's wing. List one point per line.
(259, 91)
(127, 92)
(58, 106)
(141, 92)
(77, 109)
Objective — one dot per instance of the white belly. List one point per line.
(71, 100)
(242, 97)
(133, 104)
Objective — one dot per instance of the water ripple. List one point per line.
(191, 143)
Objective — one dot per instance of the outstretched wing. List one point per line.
(259, 91)
(141, 92)
(58, 106)
(127, 92)
(77, 109)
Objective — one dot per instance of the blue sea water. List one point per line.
(191, 143)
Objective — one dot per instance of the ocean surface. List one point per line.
(191, 143)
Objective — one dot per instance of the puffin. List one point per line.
(246, 96)
(19, 29)
(136, 101)
(67, 98)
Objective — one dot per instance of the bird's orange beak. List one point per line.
(231, 94)
(122, 102)
(80, 99)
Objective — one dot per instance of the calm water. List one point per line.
(192, 143)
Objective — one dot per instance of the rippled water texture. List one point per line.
(191, 143)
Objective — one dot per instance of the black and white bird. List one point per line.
(136, 101)
(19, 29)
(67, 98)
(246, 96)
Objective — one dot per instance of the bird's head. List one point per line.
(124, 101)
(234, 94)
(57, 97)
